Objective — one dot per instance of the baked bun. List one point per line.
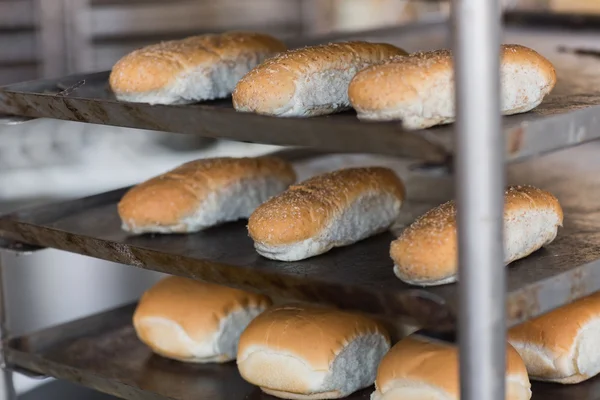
(426, 254)
(419, 369)
(310, 352)
(330, 210)
(203, 193)
(309, 81)
(185, 71)
(562, 346)
(195, 321)
(419, 89)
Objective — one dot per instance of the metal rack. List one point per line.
(101, 352)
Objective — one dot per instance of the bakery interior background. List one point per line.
(49, 160)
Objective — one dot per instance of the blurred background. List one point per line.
(49, 160)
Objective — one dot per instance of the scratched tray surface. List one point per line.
(568, 116)
(358, 276)
(102, 352)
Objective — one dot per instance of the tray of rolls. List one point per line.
(386, 92)
(188, 339)
(361, 232)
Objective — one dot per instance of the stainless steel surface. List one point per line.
(7, 389)
(479, 186)
(567, 117)
(358, 276)
(64, 390)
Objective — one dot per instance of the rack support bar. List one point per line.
(7, 390)
(480, 194)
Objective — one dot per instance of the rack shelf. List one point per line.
(355, 277)
(102, 352)
(565, 118)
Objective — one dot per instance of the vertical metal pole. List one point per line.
(479, 191)
(7, 390)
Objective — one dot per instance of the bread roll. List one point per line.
(195, 321)
(419, 89)
(310, 352)
(564, 345)
(330, 210)
(203, 193)
(309, 81)
(185, 71)
(419, 369)
(426, 254)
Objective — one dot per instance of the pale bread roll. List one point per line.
(194, 69)
(203, 193)
(195, 321)
(564, 345)
(308, 82)
(420, 369)
(426, 253)
(419, 89)
(311, 352)
(330, 210)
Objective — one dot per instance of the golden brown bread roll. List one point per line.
(419, 89)
(416, 369)
(195, 321)
(194, 69)
(203, 193)
(311, 352)
(562, 345)
(426, 254)
(330, 210)
(309, 81)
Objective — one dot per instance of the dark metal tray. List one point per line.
(359, 276)
(567, 117)
(102, 352)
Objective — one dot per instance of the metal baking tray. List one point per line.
(102, 352)
(567, 117)
(358, 276)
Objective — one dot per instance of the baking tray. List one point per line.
(567, 117)
(102, 352)
(355, 277)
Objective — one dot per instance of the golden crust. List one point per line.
(304, 209)
(434, 363)
(557, 331)
(196, 306)
(399, 80)
(154, 67)
(313, 333)
(170, 197)
(436, 230)
(272, 84)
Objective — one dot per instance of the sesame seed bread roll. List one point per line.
(563, 345)
(194, 69)
(420, 369)
(426, 254)
(203, 193)
(308, 82)
(193, 321)
(311, 352)
(330, 210)
(419, 89)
